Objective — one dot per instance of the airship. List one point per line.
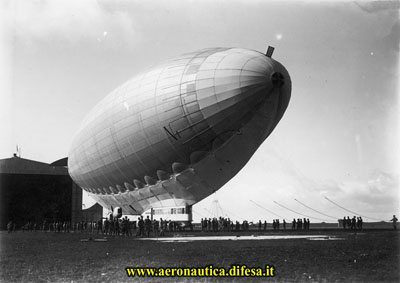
(175, 134)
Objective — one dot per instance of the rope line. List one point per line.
(267, 209)
(348, 210)
(299, 212)
(336, 218)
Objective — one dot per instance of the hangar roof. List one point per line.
(17, 165)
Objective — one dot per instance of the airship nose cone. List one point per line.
(281, 87)
(231, 85)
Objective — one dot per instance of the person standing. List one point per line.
(147, 226)
(141, 226)
(353, 223)
(100, 226)
(348, 222)
(394, 221)
(10, 227)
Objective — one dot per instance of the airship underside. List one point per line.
(177, 133)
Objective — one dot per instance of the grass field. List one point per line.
(369, 256)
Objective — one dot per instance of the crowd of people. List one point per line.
(225, 224)
(145, 227)
(301, 224)
(353, 223)
(108, 226)
(222, 224)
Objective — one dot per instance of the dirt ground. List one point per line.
(368, 256)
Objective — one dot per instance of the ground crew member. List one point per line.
(141, 226)
(394, 220)
(147, 226)
(10, 227)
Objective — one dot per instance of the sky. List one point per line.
(338, 138)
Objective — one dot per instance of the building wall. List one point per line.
(34, 197)
(36, 191)
(76, 209)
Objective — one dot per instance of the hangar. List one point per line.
(36, 191)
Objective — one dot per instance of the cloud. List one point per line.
(376, 197)
(71, 21)
(377, 6)
(392, 39)
(381, 190)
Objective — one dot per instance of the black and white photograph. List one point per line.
(199, 141)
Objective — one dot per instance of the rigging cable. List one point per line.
(267, 209)
(316, 210)
(299, 212)
(348, 210)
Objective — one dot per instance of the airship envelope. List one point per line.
(177, 133)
